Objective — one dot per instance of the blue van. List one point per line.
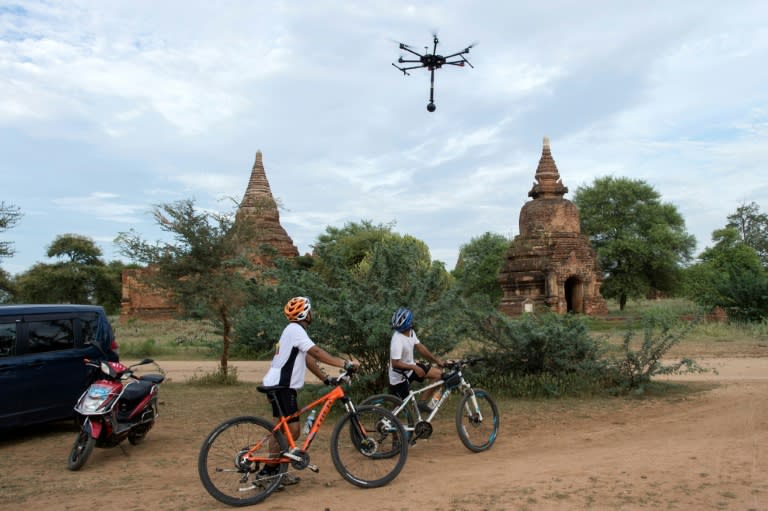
(42, 348)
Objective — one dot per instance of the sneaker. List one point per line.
(424, 407)
(271, 471)
(288, 480)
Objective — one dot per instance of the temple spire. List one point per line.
(548, 184)
(258, 196)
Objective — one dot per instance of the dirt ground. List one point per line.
(688, 450)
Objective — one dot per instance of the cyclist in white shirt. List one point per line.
(403, 369)
(295, 353)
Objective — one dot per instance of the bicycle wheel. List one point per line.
(391, 402)
(477, 435)
(224, 472)
(363, 446)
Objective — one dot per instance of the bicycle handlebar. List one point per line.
(462, 362)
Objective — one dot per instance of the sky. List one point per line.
(110, 108)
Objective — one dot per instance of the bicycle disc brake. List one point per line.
(422, 429)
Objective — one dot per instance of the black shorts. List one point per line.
(402, 389)
(288, 404)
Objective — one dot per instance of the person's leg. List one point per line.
(434, 374)
(288, 404)
(400, 390)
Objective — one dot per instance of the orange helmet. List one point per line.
(297, 309)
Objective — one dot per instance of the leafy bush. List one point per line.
(538, 355)
(633, 370)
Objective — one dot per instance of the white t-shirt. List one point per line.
(401, 348)
(290, 361)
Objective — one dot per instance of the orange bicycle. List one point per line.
(366, 448)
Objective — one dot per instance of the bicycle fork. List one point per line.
(476, 415)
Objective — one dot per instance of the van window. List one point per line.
(7, 338)
(50, 335)
(90, 329)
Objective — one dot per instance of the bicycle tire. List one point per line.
(224, 475)
(367, 460)
(475, 435)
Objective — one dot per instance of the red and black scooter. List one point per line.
(116, 406)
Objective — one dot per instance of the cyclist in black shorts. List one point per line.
(403, 369)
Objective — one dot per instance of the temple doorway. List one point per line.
(574, 295)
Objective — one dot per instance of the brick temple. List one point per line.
(259, 208)
(550, 265)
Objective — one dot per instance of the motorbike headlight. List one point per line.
(96, 396)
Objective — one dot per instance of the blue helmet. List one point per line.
(402, 319)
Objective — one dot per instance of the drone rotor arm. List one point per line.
(458, 53)
(461, 63)
(406, 69)
(408, 49)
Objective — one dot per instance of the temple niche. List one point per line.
(258, 208)
(550, 265)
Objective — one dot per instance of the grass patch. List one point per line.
(169, 339)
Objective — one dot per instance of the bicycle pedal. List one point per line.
(313, 468)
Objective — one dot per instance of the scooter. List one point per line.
(116, 406)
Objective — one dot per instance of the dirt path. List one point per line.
(688, 451)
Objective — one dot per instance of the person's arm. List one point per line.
(399, 364)
(319, 354)
(315, 368)
(424, 352)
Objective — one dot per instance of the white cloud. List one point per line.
(159, 101)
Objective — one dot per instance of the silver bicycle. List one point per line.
(477, 417)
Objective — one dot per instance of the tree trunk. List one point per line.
(224, 316)
(622, 301)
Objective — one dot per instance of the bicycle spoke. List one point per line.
(367, 448)
(477, 431)
(223, 466)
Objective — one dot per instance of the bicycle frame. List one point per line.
(412, 394)
(336, 394)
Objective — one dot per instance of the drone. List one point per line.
(432, 61)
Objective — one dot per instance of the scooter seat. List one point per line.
(154, 378)
(136, 390)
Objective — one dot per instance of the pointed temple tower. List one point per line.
(550, 264)
(258, 207)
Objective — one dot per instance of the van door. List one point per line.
(51, 366)
(9, 404)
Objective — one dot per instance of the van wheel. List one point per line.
(81, 450)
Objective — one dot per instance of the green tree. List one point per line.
(753, 229)
(478, 266)
(81, 276)
(361, 274)
(729, 275)
(205, 266)
(9, 217)
(641, 242)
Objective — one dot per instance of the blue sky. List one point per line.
(108, 108)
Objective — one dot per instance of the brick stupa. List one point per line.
(259, 208)
(550, 265)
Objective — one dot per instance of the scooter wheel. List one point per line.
(137, 436)
(81, 450)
